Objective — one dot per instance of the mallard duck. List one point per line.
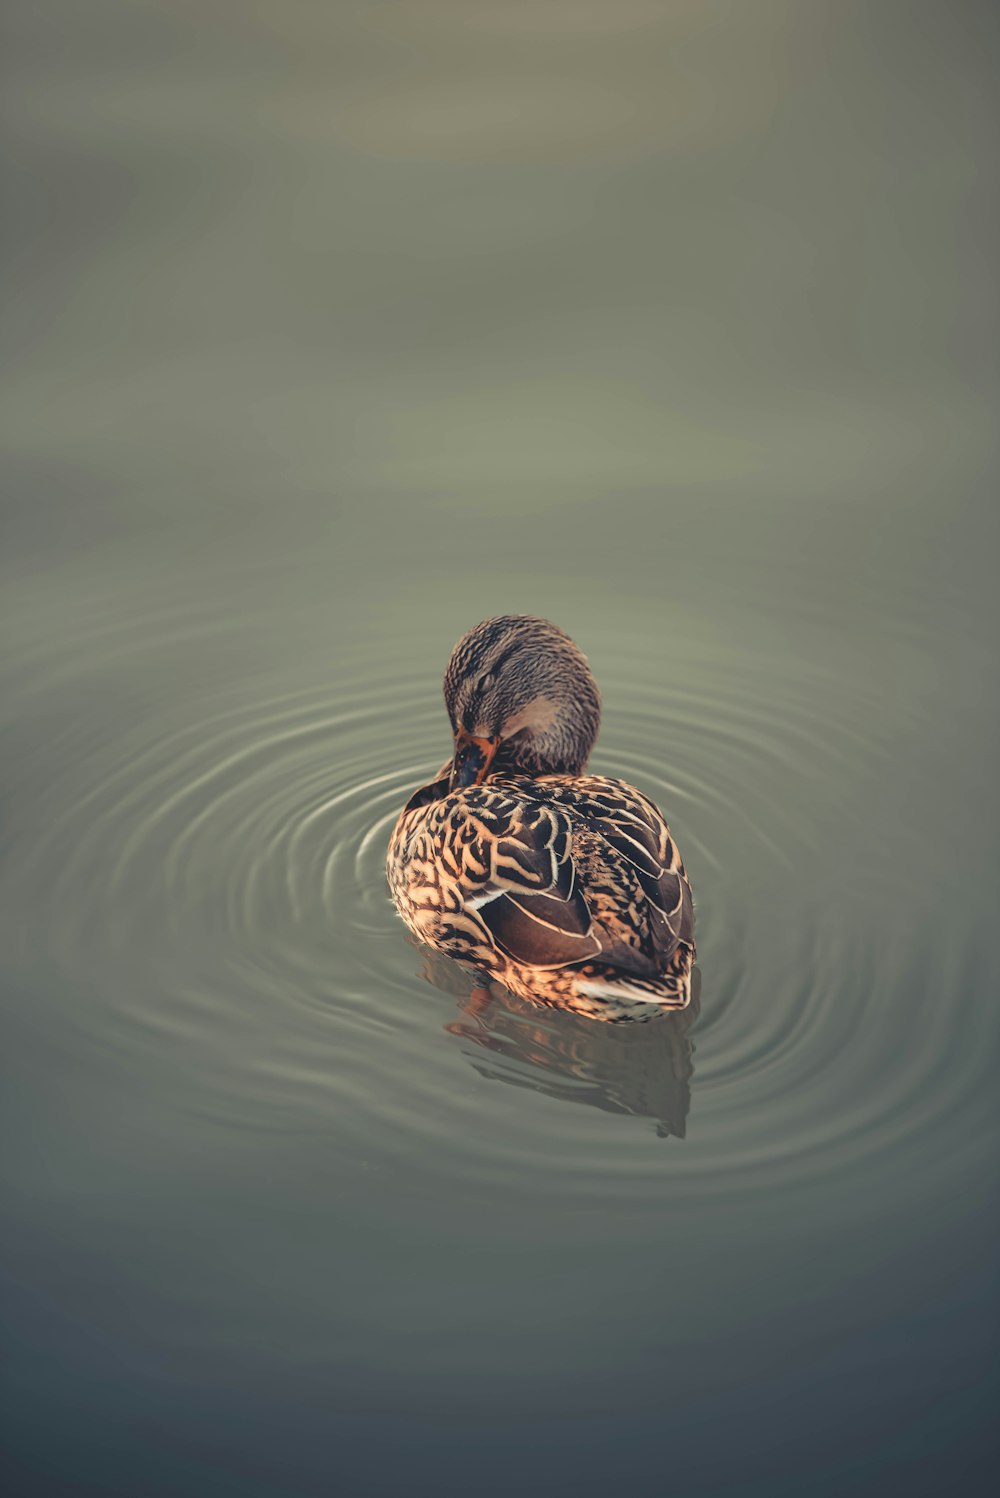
(566, 888)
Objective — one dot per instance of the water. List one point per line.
(310, 376)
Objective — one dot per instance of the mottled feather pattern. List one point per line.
(569, 890)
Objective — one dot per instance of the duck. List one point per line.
(563, 887)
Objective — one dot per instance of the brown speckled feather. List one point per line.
(569, 890)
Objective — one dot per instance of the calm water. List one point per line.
(339, 329)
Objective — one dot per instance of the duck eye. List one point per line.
(485, 681)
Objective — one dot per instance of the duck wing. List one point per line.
(633, 830)
(519, 876)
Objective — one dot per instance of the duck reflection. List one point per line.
(641, 1070)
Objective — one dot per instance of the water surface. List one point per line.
(319, 359)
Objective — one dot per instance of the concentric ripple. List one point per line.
(211, 879)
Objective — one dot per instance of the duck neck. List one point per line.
(522, 756)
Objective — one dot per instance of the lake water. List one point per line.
(339, 329)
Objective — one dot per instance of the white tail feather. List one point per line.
(656, 998)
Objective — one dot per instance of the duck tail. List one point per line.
(666, 991)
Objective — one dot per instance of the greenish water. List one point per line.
(338, 329)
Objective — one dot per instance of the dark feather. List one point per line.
(539, 930)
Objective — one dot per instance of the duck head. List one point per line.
(519, 684)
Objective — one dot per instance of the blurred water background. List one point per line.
(332, 328)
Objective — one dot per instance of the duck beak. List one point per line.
(472, 761)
